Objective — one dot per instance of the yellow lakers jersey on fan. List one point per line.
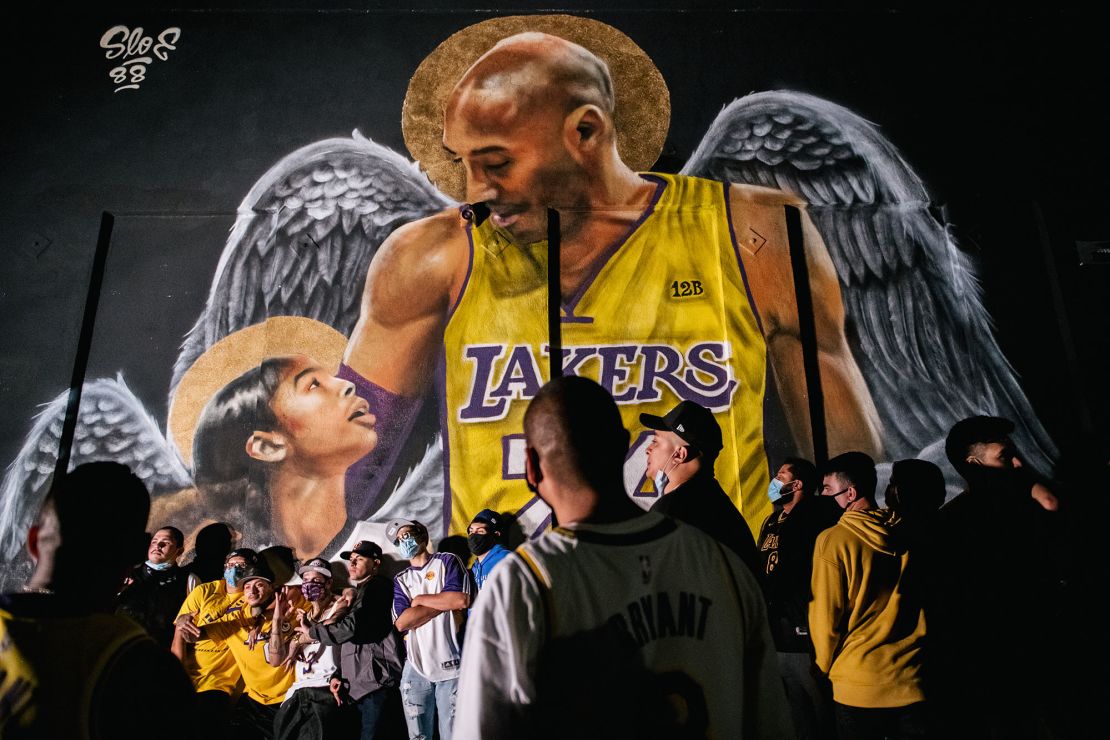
(663, 316)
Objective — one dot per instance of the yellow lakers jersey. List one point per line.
(50, 669)
(664, 316)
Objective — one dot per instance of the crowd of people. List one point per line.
(840, 620)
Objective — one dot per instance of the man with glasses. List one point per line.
(371, 654)
(430, 599)
(866, 618)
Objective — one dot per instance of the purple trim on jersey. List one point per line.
(739, 261)
(454, 573)
(469, 269)
(505, 474)
(395, 416)
(441, 386)
(527, 506)
(542, 528)
(604, 258)
(401, 600)
(569, 318)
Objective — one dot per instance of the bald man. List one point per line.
(620, 622)
(658, 294)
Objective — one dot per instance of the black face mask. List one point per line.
(480, 544)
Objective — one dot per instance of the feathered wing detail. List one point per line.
(418, 493)
(916, 321)
(111, 425)
(304, 236)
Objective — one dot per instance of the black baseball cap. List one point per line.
(692, 422)
(971, 431)
(257, 571)
(490, 517)
(365, 548)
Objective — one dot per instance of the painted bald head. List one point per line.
(533, 72)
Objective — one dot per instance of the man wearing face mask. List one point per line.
(208, 662)
(867, 618)
(371, 653)
(311, 709)
(680, 462)
(786, 542)
(483, 538)
(430, 599)
(155, 589)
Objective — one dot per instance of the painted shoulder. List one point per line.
(425, 258)
(741, 196)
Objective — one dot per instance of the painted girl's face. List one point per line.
(325, 426)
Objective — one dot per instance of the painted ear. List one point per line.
(583, 127)
(267, 446)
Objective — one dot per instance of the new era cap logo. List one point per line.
(680, 428)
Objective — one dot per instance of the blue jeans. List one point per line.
(420, 707)
(370, 711)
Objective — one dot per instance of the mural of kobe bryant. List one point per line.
(527, 121)
(531, 125)
(350, 234)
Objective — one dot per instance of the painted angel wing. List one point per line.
(304, 237)
(111, 425)
(916, 320)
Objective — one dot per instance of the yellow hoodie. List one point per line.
(867, 626)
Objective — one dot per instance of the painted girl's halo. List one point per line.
(643, 104)
(237, 353)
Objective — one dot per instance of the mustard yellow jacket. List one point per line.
(866, 620)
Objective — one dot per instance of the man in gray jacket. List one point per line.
(371, 652)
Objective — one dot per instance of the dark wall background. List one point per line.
(1001, 114)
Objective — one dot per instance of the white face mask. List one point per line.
(661, 480)
(160, 566)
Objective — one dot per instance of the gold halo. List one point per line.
(643, 104)
(236, 353)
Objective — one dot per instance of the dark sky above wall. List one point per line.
(996, 113)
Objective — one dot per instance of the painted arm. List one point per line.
(410, 286)
(853, 421)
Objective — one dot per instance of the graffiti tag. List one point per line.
(135, 51)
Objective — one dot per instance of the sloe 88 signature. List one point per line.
(136, 51)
